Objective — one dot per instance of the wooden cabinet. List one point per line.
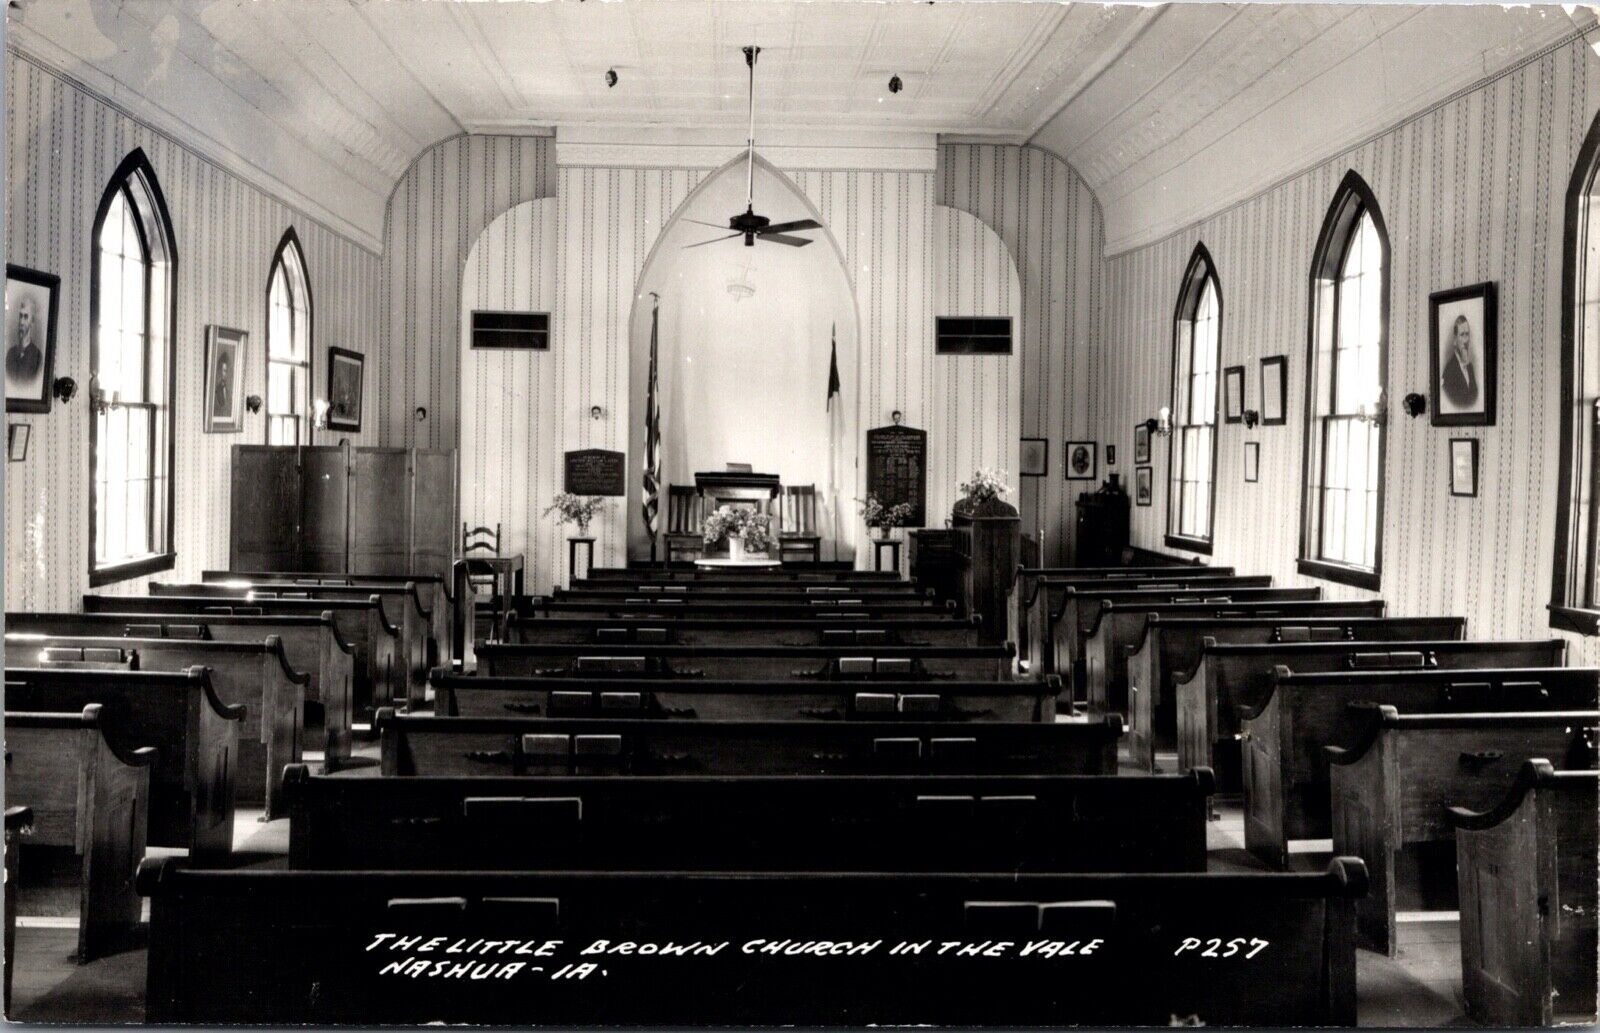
(1102, 528)
(342, 510)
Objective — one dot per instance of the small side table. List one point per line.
(878, 547)
(574, 547)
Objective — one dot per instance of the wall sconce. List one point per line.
(64, 388)
(611, 77)
(1162, 424)
(1251, 417)
(253, 403)
(1415, 404)
(421, 413)
(595, 412)
(895, 85)
(319, 414)
(898, 417)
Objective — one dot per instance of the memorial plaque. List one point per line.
(897, 469)
(596, 471)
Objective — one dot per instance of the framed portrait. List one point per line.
(345, 369)
(1111, 455)
(1082, 459)
(1233, 394)
(1274, 390)
(17, 435)
(1035, 457)
(1141, 443)
(1464, 360)
(1142, 485)
(30, 338)
(1464, 467)
(1252, 462)
(224, 383)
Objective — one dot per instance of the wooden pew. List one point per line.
(425, 745)
(533, 607)
(1283, 953)
(380, 651)
(751, 589)
(1391, 789)
(907, 631)
(19, 823)
(1527, 876)
(1039, 590)
(1286, 781)
(195, 733)
(90, 794)
(1168, 649)
(920, 663)
(830, 823)
(723, 576)
(432, 590)
(1228, 676)
(312, 645)
(705, 699)
(1118, 625)
(254, 675)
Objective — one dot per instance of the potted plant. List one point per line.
(881, 518)
(576, 509)
(745, 531)
(980, 494)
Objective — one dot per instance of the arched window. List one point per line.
(288, 346)
(1192, 460)
(1575, 599)
(1342, 511)
(133, 265)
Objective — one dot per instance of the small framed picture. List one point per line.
(1081, 456)
(1465, 355)
(1274, 390)
(17, 435)
(1252, 462)
(1142, 485)
(1233, 394)
(1141, 443)
(1035, 457)
(1111, 455)
(30, 338)
(1464, 467)
(345, 369)
(224, 387)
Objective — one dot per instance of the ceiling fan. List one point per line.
(748, 224)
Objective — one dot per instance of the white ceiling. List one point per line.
(328, 101)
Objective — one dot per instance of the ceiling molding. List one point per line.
(788, 149)
(23, 44)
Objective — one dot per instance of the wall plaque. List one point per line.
(897, 469)
(596, 471)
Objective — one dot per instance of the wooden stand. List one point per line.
(574, 547)
(988, 542)
(879, 545)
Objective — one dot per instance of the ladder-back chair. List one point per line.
(798, 523)
(685, 522)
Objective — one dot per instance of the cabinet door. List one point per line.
(325, 494)
(380, 511)
(264, 508)
(433, 511)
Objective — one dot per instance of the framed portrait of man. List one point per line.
(1464, 359)
(30, 328)
(345, 369)
(1081, 460)
(224, 382)
(1035, 456)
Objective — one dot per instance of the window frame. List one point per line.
(1200, 271)
(165, 556)
(1573, 580)
(290, 239)
(1353, 199)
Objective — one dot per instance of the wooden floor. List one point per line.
(1419, 986)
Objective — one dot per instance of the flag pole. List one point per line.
(652, 436)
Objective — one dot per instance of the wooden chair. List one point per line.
(798, 520)
(479, 548)
(685, 515)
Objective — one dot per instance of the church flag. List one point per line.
(835, 406)
(652, 437)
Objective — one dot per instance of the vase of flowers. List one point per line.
(883, 519)
(745, 531)
(980, 494)
(576, 509)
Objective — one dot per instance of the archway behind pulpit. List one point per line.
(744, 342)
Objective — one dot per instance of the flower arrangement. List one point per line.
(576, 509)
(753, 529)
(876, 514)
(984, 485)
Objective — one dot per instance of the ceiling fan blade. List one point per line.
(786, 227)
(714, 240)
(784, 238)
(713, 225)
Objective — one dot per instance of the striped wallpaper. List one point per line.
(1471, 190)
(62, 144)
(1051, 223)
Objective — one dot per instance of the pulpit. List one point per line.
(733, 487)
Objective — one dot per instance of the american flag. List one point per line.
(652, 437)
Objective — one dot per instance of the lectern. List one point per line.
(719, 487)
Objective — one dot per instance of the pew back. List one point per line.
(964, 663)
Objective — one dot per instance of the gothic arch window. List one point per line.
(1196, 355)
(289, 323)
